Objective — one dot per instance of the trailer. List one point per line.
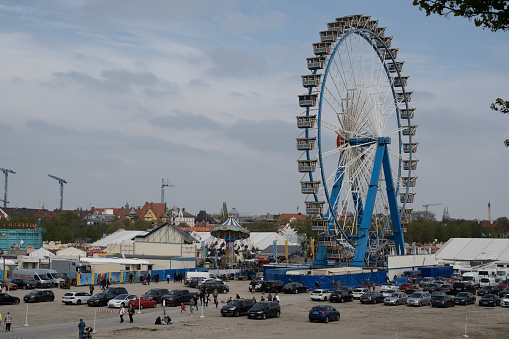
(70, 268)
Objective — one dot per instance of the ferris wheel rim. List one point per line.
(364, 34)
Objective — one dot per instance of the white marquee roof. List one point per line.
(472, 249)
(117, 237)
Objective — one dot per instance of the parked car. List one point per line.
(345, 288)
(195, 282)
(157, 293)
(8, 285)
(320, 294)
(431, 287)
(419, 299)
(39, 295)
(491, 289)
(323, 313)
(24, 283)
(397, 298)
(505, 301)
(264, 309)
(442, 301)
(386, 287)
(358, 292)
(503, 285)
(213, 285)
(464, 298)
(447, 288)
(116, 291)
(295, 288)
(372, 298)
(77, 298)
(426, 280)
(388, 293)
(340, 296)
(255, 285)
(406, 286)
(178, 297)
(272, 286)
(504, 292)
(8, 299)
(200, 284)
(144, 303)
(120, 300)
(237, 307)
(100, 299)
(464, 286)
(490, 300)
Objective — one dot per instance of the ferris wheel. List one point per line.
(357, 142)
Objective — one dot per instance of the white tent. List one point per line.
(475, 249)
(71, 252)
(117, 237)
(41, 253)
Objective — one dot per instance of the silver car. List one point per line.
(397, 298)
(389, 293)
(419, 299)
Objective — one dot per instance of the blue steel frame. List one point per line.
(381, 159)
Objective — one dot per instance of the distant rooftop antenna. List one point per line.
(6, 174)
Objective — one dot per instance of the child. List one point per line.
(182, 308)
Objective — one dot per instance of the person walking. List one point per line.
(121, 313)
(8, 322)
(195, 298)
(206, 300)
(91, 289)
(215, 294)
(81, 328)
(202, 298)
(339, 283)
(191, 306)
(373, 286)
(333, 284)
(131, 311)
(164, 306)
(168, 278)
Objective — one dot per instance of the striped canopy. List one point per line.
(230, 230)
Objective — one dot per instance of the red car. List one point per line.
(145, 302)
(406, 286)
(503, 284)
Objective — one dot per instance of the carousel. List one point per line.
(230, 231)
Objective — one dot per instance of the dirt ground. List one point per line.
(357, 320)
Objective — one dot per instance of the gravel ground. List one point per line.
(357, 320)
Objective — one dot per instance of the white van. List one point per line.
(473, 277)
(53, 275)
(205, 275)
(41, 279)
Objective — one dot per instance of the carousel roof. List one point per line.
(230, 228)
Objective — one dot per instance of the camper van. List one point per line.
(205, 275)
(41, 279)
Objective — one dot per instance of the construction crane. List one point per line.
(6, 174)
(165, 183)
(61, 182)
(428, 205)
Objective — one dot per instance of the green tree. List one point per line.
(491, 14)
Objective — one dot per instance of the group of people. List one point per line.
(130, 312)
(368, 285)
(163, 321)
(177, 277)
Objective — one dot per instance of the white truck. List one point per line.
(473, 277)
(70, 268)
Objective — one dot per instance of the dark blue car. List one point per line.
(323, 313)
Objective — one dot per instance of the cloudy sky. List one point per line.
(113, 96)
